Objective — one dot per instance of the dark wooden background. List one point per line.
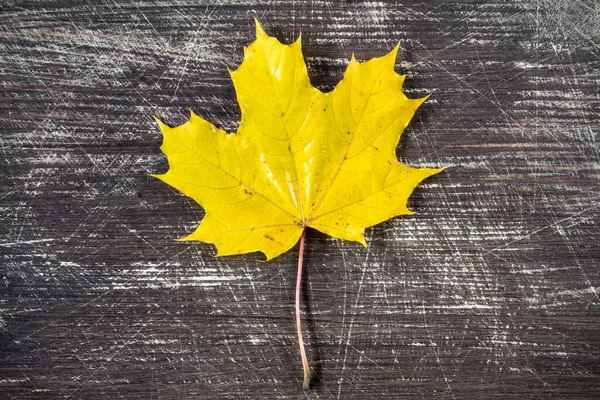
(490, 291)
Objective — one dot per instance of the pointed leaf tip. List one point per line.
(161, 124)
(259, 29)
(390, 58)
(230, 71)
(268, 257)
(185, 238)
(193, 115)
(423, 99)
(160, 177)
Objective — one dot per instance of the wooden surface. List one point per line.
(490, 291)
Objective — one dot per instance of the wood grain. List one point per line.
(489, 291)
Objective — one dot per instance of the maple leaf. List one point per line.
(300, 158)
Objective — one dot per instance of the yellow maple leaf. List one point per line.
(300, 158)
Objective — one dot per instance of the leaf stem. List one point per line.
(306, 383)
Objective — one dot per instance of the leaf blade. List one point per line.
(300, 157)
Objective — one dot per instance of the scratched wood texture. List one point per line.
(489, 291)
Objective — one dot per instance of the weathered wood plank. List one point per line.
(489, 291)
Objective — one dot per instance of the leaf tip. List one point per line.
(192, 114)
(438, 170)
(161, 124)
(416, 103)
(361, 239)
(160, 177)
(259, 29)
(389, 60)
(231, 71)
(219, 254)
(267, 257)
